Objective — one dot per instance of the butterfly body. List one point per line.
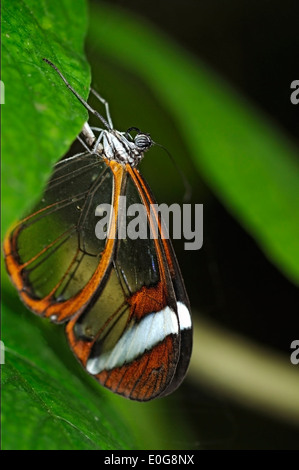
(123, 300)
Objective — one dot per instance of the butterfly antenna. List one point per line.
(188, 190)
(85, 104)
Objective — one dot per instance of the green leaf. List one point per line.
(251, 166)
(40, 116)
(45, 404)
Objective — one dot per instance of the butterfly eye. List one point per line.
(143, 141)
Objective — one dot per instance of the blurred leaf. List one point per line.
(255, 375)
(45, 405)
(248, 162)
(41, 117)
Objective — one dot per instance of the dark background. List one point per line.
(253, 45)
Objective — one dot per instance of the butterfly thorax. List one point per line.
(121, 147)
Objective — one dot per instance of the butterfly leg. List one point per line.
(88, 134)
(106, 104)
(91, 139)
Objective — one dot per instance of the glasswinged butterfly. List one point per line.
(123, 300)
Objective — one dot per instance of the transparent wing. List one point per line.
(129, 338)
(53, 252)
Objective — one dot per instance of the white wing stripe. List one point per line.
(184, 316)
(138, 338)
